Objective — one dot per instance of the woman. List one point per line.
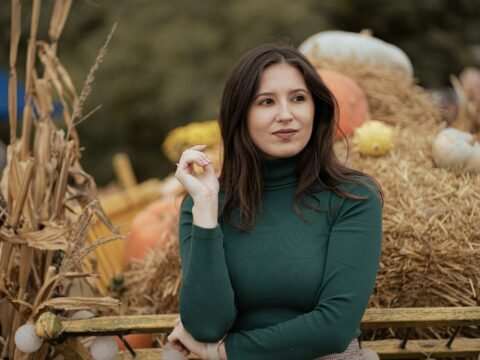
(279, 254)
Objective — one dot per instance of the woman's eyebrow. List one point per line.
(270, 93)
(299, 90)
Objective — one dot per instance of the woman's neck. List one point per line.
(280, 173)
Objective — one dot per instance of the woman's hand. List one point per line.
(203, 185)
(181, 340)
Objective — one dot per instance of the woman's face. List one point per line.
(280, 119)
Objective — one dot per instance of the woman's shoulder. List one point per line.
(360, 185)
(356, 187)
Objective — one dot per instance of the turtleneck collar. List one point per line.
(280, 173)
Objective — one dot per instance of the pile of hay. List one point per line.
(152, 283)
(431, 230)
(431, 248)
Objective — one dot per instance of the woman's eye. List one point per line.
(299, 98)
(266, 102)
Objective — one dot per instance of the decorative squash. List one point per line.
(473, 163)
(104, 348)
(373, 138)
(136, 341)
(453, 148)
(150, 228)
(362, 47)
(352, 102)
(195, 133)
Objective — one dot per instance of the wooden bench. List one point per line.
(50, 327)
(456, 317)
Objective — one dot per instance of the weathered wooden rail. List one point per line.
(51, 328)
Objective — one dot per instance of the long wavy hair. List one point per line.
(318, 168)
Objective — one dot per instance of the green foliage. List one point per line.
(167, 62)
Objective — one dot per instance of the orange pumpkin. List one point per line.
(136, 341)
(150, 228)
(352, 102)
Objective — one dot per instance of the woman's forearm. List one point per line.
(205, 212)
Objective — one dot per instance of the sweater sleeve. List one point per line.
(352, 260)
(207, 307)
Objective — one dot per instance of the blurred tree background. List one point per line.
(168, 60)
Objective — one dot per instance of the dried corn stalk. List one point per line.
(47, 201)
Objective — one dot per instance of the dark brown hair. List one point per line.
(318, 167)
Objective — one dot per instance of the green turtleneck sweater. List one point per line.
(291, 288)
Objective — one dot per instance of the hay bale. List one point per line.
(431, 232)
(393, 97)
(152, 284)
(430, 218)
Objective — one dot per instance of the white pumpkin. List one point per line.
(27, 340)
(473, 163)
(453, 148)
(104, 348)
(82, 314)
(338, 45)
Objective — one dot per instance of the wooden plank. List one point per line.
(144, 354)
(386, 349)
(390, 349)
(134, 324)
(374, 318)
(421, 317)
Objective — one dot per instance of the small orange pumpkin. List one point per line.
(352, 102)
(136, 341)
(150, 228)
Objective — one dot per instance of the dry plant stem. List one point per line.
(12, 173)
(26, 128)
(78, 303)
(464, 119)
(32, 47)
(48, 258)
(25, 252)
(50, 283)
(7, 248)
(23, 191)
(3, 355)
(12, 84)
(62, 183)
(87, 86)
(58, 19)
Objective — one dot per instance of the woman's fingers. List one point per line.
(199, 184)
(191, 156)
(174, 339)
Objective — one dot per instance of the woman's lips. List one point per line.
(285, 134)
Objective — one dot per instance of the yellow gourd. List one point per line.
(184, 137)
(373, 138)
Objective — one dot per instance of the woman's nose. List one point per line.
(284, 112)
